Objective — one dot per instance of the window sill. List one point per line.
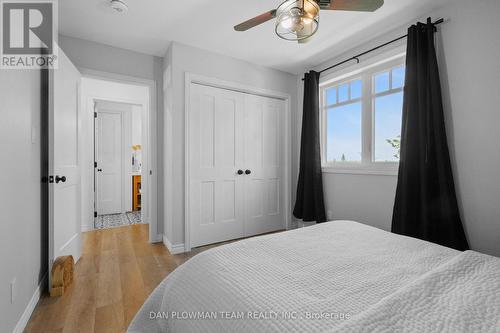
(389, 171)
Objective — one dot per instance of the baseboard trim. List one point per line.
(68, 243)
(173, 249)
(86, 227)
(25, 317)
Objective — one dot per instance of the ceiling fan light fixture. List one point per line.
(118, 6)
(297, 19)
(287, 23)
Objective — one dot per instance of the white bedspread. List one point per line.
(318, 276)
(462, 295)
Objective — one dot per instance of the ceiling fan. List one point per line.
(298, 20)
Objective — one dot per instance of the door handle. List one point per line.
(239, 172)
(60, 179)
(247, 172)
(99, 170)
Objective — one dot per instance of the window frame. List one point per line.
(367, 74)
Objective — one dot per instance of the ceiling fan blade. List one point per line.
(352, 5)
(256, 21)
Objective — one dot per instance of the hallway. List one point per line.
(117, 272)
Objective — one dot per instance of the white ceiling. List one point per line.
(150, 25)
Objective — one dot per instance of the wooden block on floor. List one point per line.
(61, 275)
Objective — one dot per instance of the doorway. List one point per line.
(119, 141)
(118, 164)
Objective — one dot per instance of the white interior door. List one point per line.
(235, 165)
(216, 188)
(263, 164)
(109, 161)
(64, 164)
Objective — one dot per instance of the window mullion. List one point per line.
(367, 120)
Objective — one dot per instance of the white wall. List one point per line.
(95, 56)
(22, 237)
(468, 53)
(470, 70)
(184, 59)
(136, 125)
(92, 89)
(92, 55)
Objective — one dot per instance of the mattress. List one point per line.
(323, 278)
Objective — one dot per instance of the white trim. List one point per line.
(361, 171)
(173, 249)
(28, 311)
(86, 227)
(166, 242)
(119, 78)
(355, 69)
(168, 159)
(67, 244)
(150, 162)
(191, 78)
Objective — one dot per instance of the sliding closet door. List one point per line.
(263, 150)
(216, 189)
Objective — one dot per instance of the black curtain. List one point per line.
(426, 205)
(309, 205)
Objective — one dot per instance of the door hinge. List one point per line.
(95, 164)
(150, 172)
(95, 214)
(95, 114)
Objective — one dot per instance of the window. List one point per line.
(361, 119)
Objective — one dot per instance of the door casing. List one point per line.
(150, 169)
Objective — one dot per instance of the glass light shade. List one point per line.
(297, 19)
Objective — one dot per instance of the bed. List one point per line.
(339, 276)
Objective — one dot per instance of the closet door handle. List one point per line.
(239, 172)
(60, 179)
(247, 172)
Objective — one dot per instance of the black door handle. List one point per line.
(239, 172)
(99, 170)
(247, 172)
(60, 179)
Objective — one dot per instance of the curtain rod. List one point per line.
(356, 57)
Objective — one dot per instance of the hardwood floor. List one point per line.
(116, 273)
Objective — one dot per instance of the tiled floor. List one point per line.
(117, 220)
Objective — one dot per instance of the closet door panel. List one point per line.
(216, 191)
(263, 149)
